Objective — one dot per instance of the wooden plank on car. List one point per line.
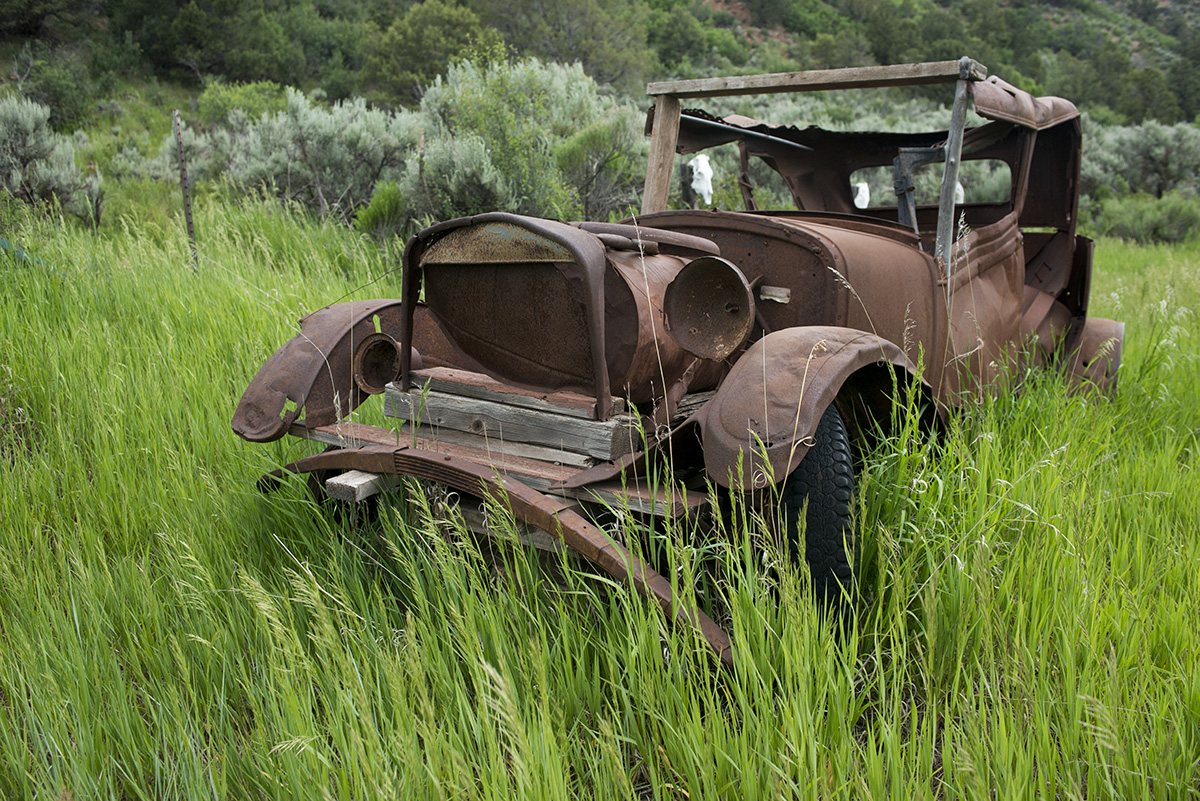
(355, 486)
(690, 404)
(536, 472)
(345, 434)
(599, 439)
(488, 446)
(817, 80)
(484, 387)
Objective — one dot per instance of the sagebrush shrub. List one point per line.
(523, 137)
(1150, 157)
(38, 166)
(328, 159)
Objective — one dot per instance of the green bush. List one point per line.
(455, 177)
(523, 137)
(517, 111)
(38, 166)
(1145, 219)
(387, 215)
(254, 99)
(603, 163)
(1150, 157)
(59, 81)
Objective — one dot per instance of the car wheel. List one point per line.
(822, 489)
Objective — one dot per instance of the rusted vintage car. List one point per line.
(548, 365)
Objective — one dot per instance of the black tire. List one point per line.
(824, 481)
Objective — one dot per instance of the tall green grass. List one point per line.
(1029, 585)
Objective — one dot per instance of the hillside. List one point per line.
(1124, 61)
(436, 110)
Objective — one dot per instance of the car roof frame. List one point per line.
(664, 136)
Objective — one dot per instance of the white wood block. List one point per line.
(355, 486)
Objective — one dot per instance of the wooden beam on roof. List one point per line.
(818, 80)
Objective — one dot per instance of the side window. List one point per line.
(982, 181)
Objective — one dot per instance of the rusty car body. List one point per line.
(548, 363)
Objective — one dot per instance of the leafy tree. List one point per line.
(1184, 77)
(1145, 94)
(848, 48)
(766, 13)
(680, 37)
(333, 36)
(677, 37)
(382, 13)
(607, 36)
(418, 47)
(26, 18)
(60, 81)
(893, 32)
(246, 40)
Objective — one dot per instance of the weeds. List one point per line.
(1028, 591)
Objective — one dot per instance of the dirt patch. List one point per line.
(735, 7)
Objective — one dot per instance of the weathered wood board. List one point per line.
(818, 80)
(491, 446)
(492, 421)
(478, 385)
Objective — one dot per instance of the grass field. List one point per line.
(1030, 586)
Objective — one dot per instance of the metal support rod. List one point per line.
(943, 249)
(187, 197)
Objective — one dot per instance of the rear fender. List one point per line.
(771, 401)
(1096, 354)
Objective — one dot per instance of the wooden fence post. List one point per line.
(187, 196)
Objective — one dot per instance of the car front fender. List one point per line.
(312, 375)
(772, 400)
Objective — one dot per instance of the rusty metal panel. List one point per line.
(998, 100)
(986, 297)
(526, 323)
(312, 376)
(771, 252)
(585, 267)
(773, 398)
